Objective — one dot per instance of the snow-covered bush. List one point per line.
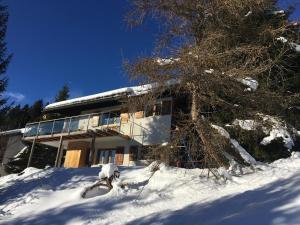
(108, 170)
(251, 141)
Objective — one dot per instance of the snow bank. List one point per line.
(173, 196)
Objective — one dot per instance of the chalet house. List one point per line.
(95, 129)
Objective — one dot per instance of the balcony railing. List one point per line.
(71, 125)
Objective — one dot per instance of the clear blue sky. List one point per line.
(78, 42)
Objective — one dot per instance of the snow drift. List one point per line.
(171, 196)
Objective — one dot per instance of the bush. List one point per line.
(250, 140)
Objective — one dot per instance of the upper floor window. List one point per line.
(162, 107)
(110, 118)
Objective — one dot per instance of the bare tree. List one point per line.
(230, 57)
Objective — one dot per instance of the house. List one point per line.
(97, 129)
(10, 145)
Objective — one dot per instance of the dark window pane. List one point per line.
(149, 111)
(166, 107)
(157, 109)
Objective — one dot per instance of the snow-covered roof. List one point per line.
(126, 91)
(16, 131)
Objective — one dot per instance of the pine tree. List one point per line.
(213, 50)
(36, 111)
(63, 94)
(4, 61)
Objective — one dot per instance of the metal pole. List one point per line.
(31, 153)
(52, 127)
(59, 153)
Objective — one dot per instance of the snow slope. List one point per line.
(270, 195)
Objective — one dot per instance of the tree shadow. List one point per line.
(85, 210)
(51, 179)
(256, 207)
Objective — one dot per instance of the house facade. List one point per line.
(98, 129)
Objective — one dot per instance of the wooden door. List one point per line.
(76, 155)
(119, 156)
(72, 159)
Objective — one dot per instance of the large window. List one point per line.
(162, 107)
(106, 156)
(110, 118)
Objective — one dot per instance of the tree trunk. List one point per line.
(209, 150)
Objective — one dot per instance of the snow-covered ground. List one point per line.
(270, 195)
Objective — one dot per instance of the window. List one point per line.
(110, 118)
(160, 108)
(157, 109)
(166, 107)
(149, 111)
(106, 156)
(133, 154)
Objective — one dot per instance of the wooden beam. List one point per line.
(59, 153)
(31, 153)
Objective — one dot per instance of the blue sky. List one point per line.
(78, 42)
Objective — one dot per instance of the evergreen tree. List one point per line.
(232, 58)
(63, 94)
(4, 61)
(36, 111)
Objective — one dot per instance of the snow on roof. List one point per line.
(126, 91)
(16, 131)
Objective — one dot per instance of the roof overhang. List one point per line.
(112, 95)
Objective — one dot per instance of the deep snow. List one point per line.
(268, 195)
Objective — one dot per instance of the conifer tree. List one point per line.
(232, 58)
(63, 94)
(4, 61)
(36, 111)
